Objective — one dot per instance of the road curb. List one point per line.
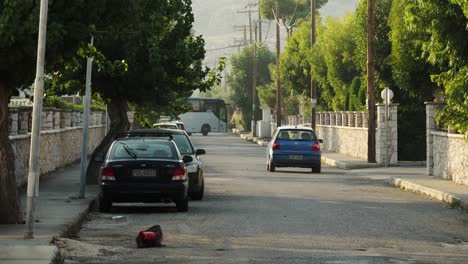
(71, 230)
(448, 198)
(346, 165)
(75, 226)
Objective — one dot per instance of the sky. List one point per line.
(216, 20)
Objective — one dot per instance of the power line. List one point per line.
(228, 47)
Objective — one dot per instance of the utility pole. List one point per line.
(259, 25)
(244, 29)
(250, 22)
(278, 84)
(254, 84)
(370, 83)
(84, 143)
(313, 89)
(35, 149)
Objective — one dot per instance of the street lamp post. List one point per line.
(84, 143)
(35, 149)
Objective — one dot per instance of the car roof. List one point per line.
(154, 131)
(295, 127)
(165, 123)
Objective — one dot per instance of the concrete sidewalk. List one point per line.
(59, 212)
(405, 176)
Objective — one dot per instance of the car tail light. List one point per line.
(276, 145)
(316, 146)
(179, 174)
(107, 174)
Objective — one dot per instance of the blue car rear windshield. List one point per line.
(296, 135)
(143, 148)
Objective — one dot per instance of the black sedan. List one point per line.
(185, 146)
(142, 169)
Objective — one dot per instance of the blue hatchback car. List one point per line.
(294, 146)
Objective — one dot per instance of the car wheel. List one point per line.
(104, 204)
(317, 169)
(198, 196)
(205, 129)
(182, 204)
(271, 166)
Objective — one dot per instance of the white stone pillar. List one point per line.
(23, 121)
(332, 118)
(350, 118)
(327, 118)
(344, 118)
(386, 141)
(13, 122)
(338, 118)
(357, 119)
(57, 119)
(431, 108)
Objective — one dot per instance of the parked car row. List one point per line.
(151, 166)
(171, 125)
(161, 164)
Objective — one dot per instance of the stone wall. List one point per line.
(346, 132)
(58, 148)
(61, 138)
(351, 141)
(450, 154)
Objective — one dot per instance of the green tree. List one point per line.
(240, 78)
(146, 55)
(19, 22)
(441, 26)
(332, 62)
(290, 11)
(164, 59)
(381, 42)
(295, 61)
(411, 73)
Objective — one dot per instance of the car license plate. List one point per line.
(144, 173)
(295, 157)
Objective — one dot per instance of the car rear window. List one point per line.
(147, 149)
(296, 135)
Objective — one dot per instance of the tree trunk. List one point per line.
(10, 209)
(117, 110)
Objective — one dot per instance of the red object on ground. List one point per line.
(151, 237)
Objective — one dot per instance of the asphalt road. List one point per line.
(250, 215)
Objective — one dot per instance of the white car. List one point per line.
(166, 126)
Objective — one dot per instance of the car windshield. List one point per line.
(296, 135)
(183, 144)
(143, 148)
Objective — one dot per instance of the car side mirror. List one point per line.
(200, 152)
(321, 140)
(99, 157)
(187, 159)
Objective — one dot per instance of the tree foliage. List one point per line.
(19, 22)
(332, 62)
(442, 26)
(290, 11)
(240, 78)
